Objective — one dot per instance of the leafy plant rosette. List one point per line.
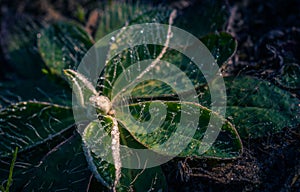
(53, 155)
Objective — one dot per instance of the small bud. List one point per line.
(102, 103)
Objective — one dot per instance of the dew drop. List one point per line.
(22, 108)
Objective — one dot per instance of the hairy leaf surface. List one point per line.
(28, 124)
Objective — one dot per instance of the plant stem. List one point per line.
(115, 146)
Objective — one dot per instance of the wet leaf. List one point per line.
(115, 15)
(158, 126)
(153, 89)
(60, 166)
(97, 146)
(136, 179)
(64, 166)
(19, 44)
(157, 15)
(40, 90)
(221, 45)
(62, 46)
(134, 61)
(28, 124)
(128, 57)
(258, 108)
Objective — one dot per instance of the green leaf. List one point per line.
(133, 55)
(227, 145)
(115, 15)
(185, 73)
(64, 166)
(153, 88)
(258, 108)
(154, 15)
(63, 45)
(18, 40)
(290, 76)
(29, 159)
(203, 17)
(28, 124)
(60, 166)
(135, 179)
(80, 14)
(40, 90)
(221, 45)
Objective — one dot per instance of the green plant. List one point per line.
(52, 154)
(11, 170)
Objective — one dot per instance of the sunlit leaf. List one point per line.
(135, 179)
(163, 126)
(221, 45)
(153, 88)
(62, 46)
(258, 108)
(28, 124)
(128, 57)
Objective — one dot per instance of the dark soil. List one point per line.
(268, 35)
